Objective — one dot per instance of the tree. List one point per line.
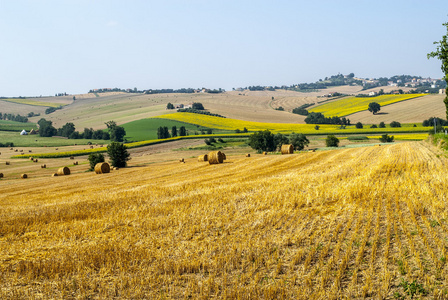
(46, 128)
(169, 106)
(280, 139)
(116, 132)
(382, 125)
(262, 141)
(173, 131)
(298, 141)
(197, 106)
(182, 131)
(395, 124)
(359, 125)
(441, 53)
(332, 141)
(386, 138)
(67, 130)
(118, 154)
(374, 107)
(88, 133)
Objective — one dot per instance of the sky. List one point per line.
(55, 46)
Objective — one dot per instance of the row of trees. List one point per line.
(13, 117)
(267, 141)
(164, 133)
(114, 132)
(319, 118)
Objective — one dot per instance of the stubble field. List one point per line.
(362, 222)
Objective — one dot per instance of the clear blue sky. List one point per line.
(52, 46)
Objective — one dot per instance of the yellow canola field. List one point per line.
(33, 102)
(351, 105)
(343, 224)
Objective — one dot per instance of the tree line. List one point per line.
(164, 133)
(13, 117)
(267, 141)
(114, 132)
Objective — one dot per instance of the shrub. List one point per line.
(332, 141)
(373, 126)
(118, 154)
(94, 159)
(357, 138)
(395, 124)
(386, 138)
(359, 125)
(382, 125)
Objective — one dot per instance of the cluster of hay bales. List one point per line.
(203, 157)
(287, 149)
(63, 171)
(216, 157)
(102, 168)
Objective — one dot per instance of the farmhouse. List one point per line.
(442, 91)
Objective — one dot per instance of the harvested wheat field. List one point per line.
(360, 222)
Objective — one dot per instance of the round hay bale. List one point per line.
(11, 148)
(224, 157)
(75, 163)
(43, 166)
(91, 147)
(265, 153)
(248, 155)
(72, 157)
(23, 176)
(54, 175)
(7, 163)
(215, 157)
(101, 168)
(35, 160)
(30, 151)
(63, 171)
(1, 175)
(16, 150)
(21, 150)
(181, 160)
(57, 148)
(31, 158)
(203, 157)
(287, 149)
(115, 168)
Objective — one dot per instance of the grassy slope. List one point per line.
(37, 141)
(146, 129)
(333, 224)
(16, 126)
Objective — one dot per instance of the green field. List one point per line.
(146, 129)
(15, 126)
(38, 141)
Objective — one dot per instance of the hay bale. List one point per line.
(31, 158)
(30, 151)
(16, 150)
(35, 160)
(1, 175)
(43, 166)
(57, 148)
(265, 153)
(91, 147)
(23, 176)
(287, 149)
(7, 163)
(54, 175)
(248, 155)
(63, 171)
(203, 157)
(11, 148)
(224, 157)
(181, 160)
(75, 163)
(72, 157)
(215, 157)
(115, 168)
(101, 168)
(21, 150)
